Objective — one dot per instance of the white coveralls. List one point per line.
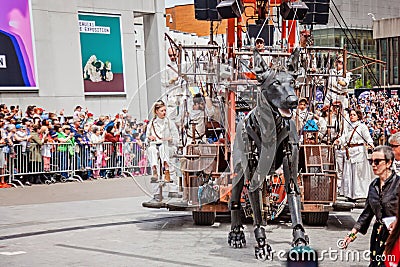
(174, 93)
(161, 129)
(357, 173)
(335, 91)
(199, 117)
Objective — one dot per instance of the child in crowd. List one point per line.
(128, 152)
(143, 164)
(46, 148)
(97, 139)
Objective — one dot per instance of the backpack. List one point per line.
(310, 126)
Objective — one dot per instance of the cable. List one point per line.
(262, 27)
(364, 62)
(291, 26)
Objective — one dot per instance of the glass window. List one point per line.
(337, 41)
(383, 55)
(378, 56)
(395, 60)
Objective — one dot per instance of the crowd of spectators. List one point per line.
(34, 133)
(381, 115)
(35, 130)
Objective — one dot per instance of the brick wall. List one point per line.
(184, 21)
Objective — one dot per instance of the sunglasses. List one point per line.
(376, 162)
(341, 62)
(394, 145)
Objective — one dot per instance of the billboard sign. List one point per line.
(101, 50)
(17, 53)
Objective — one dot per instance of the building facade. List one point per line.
(336, 37)
(182, 18)
(355, 12)
(387, 37)
(350, 24)
(87, 53)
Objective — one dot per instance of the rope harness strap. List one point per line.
(348, 145)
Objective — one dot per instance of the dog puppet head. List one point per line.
(277, 87)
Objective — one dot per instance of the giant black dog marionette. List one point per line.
(265, 140)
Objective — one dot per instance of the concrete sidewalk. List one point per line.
(102, 223)
(75, 191)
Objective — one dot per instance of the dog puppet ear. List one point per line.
(292, 63)
(260, 66)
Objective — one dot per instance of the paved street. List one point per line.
(102, 223)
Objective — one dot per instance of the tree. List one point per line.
(369, 85)
(358, 84)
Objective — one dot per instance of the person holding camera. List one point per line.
(381, 203)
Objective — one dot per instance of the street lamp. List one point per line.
(372, 16)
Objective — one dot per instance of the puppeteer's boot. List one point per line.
(154, 177)
(167, 177)
(154, 203)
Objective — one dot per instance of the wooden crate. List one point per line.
(208, 158)
(316, 158)
(319, 187)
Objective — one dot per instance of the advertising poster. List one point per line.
(101, 49)
(17, 57)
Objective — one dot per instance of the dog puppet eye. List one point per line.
(276, 82)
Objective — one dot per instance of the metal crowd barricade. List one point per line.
(66, 162)
(27, 159)
(134, 158)
(111, 159)
(6, 169)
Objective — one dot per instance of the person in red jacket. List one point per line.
(112, 137)
(392, 248)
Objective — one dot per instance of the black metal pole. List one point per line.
(211, 32)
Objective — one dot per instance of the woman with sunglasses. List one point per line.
(382, 202)
(357, 173)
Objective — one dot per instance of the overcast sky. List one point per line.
(170, 3)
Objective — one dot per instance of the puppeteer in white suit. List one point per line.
(357, 173)
(174, 88)
(163, 138)
(337, 85)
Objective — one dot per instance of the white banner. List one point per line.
(86, 26)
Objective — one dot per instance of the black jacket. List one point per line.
(379, 204)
